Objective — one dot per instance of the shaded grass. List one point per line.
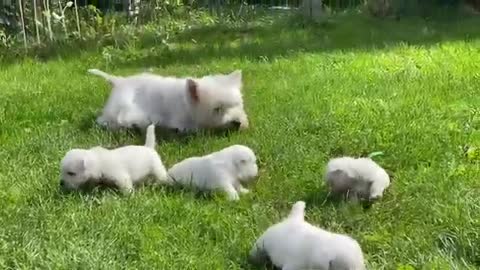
(308, 100)
(272, 37)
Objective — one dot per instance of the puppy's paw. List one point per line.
(375, 197)
(105, 124)
(125, 187)
(126, 191)
(233, 196)
(243, 125)
(102, 121)
(244, 190)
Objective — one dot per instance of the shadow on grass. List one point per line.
(324, 197)
(282, 35)
(265, 266)
(89, 189)
(103, 188)
(95, 191)
(195, 193)
(287, 35)
(87, 122)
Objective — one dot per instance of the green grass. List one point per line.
(352, 86)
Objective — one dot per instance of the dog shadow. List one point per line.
(90, 189)
(194, 192)
(326, 198)
(260, 263)
(267, 265)
(101, 189)
(173, 135)
(177, 189)
(88, 123)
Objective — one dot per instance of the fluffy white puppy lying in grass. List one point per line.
(357, 177)
(224, 170)
(185, 104)
(122, 167)
(295, 244)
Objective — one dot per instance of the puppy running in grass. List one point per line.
(225, 170)
(183, 104)
(358, 178)
(295, 244)
(123, 167)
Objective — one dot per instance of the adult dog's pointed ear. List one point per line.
(236, 77)
(192, 89)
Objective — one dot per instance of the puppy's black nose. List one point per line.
(62, 183)
(235, 124)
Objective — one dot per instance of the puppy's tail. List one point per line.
(150, 137)
(110, 78)
(298, 211)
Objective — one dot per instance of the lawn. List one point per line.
(351, 86)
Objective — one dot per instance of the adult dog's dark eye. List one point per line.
(71, 173)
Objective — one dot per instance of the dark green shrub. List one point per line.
(424, 8)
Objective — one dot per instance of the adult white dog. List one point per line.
(294, 244)
(185, 104)
(357, 177)
(123, 167)
(226, 170)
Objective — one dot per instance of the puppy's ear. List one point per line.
(83, 163)
(240, 164)
(192, 89)
(236, 77)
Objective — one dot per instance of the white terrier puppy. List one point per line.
(226, 170)
(295, 244)
(122, 167)
(356, 177)
(185, 104)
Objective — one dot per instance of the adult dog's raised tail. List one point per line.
(150, 140)
(110, 78)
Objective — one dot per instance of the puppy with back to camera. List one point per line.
(183, 104)
(359, 178)
(224, 170)
(123, 167)
(294, 244)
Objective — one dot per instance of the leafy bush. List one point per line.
(382, 8)
(39, 29)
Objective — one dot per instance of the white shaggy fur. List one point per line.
(123, 167)
(295, 244)
(357, 177)
(226, 170)
(186, 104)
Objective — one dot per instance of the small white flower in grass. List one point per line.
(69, 4)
